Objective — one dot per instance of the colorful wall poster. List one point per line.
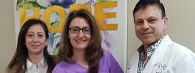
(111, 16)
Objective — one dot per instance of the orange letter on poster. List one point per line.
(80, 6)
(62, 14)
(24, 17)
(100, 15)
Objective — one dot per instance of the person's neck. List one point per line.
(35, 58)
(79, 57)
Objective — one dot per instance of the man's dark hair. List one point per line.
(142, 4)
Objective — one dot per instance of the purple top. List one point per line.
(108, 64)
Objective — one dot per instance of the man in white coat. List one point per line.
(158, 53)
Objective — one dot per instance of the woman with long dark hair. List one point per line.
(80, 48)
(31, 54)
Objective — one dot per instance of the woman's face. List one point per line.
(79, 33)
(35, 39)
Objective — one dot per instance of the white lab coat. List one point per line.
(169, 57)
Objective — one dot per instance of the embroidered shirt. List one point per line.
(142, 63)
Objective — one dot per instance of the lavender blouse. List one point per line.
(108, 64)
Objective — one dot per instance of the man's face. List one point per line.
(149, 25)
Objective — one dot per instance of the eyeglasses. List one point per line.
(76, 30)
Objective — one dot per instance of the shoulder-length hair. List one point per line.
(93, 52)
(19, 59)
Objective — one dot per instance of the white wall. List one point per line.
(7, 33)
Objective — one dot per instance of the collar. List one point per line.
(30, 64)
(141, 48)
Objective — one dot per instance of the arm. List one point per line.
(55, 70)
(185, 64)
(59, 69)
(115, 67)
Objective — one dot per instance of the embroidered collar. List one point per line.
(151, 48)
